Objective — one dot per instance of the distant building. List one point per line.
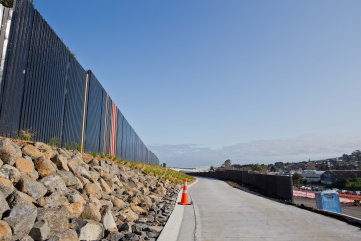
(329, 177)
(312, 175)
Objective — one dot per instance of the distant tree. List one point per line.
(164, 165)
(227, 163)
(211, 168)
(272, 169)
(257, 168)
(297, 178)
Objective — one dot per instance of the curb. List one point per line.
(172, 227)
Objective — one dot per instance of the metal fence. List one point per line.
(271, 185)
(44, 90)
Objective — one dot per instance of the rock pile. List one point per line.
(49, 193)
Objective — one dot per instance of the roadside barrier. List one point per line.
(184, 200)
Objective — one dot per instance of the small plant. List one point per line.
(25, 135)
(103, 155)
(67, 146)
(71, 52)
(93, 154)
(115, 158)
(7, 3)
(164, 165)
(78, 147)
(53, 141)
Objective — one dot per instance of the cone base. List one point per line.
(185, 203)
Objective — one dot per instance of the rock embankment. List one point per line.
(49, 193)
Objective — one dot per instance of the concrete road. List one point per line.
(222, 212)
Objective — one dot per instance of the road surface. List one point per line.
(222, 212)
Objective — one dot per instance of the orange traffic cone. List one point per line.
(184, 200)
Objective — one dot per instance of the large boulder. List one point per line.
(91, 212)
(108, 220)
(44, 166)
(45, 149)
(55, 200)
(6, 186)
(57, 219)
(26, 168)
(54, 183)
(92, 231)
(3, 205)
(70, 180)
(9, 151)
(105, 186)
(10, 173)
(40, 231)
(61, 162)
(5, 231)
(76, 206)
(32, 151)
(68, 235)
(128, 214)
(22, 215)
(32, 187)
(78, 167)
(93, 189)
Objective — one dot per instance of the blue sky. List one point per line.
(200, 80)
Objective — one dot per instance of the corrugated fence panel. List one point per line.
(74, 104)
(94, 111)
(12, 85)
(45, 83)
(120, 134)
(43, 89)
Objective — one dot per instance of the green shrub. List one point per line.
(25, 135)
(103, 155)
(67, 146)
(53, 141)
(93, 154)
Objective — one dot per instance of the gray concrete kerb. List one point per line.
(171, 229)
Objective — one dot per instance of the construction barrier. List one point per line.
(279, 187)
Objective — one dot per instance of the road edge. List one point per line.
(172, 227)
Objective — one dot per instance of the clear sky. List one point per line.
(200, 80)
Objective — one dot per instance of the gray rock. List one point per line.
(5, 231)
(70, 180)
(61, 162)
(126, 227)
(21, 219)
(92, 231)
(78, 224)
(40, 231)
(55, 200)
(115, 236)
(1, 163)
(137, 228)
(79, 167)
(65, 153)
(108, 220)
(130, 237)
(57, 219)
(54, 183)
(27, 238)
(17, 198)
(9, 151)
(152, 235)
(3, 204)
(32, 187)
(68, 235)
(10, 173)
(6, 186)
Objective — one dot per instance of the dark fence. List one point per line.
(274, 186)
(45, 91)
